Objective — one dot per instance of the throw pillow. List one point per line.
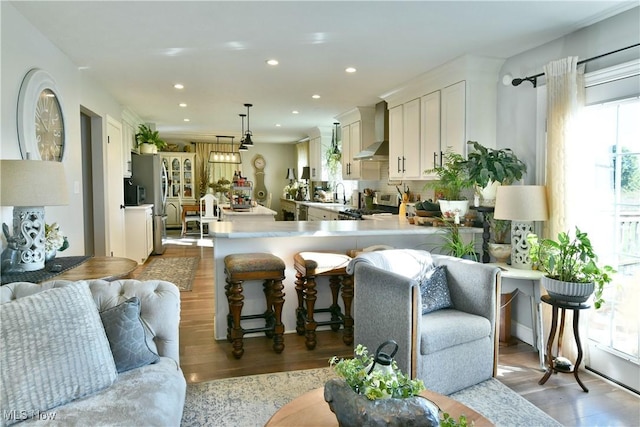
(434, 290)
(126, 336)
(54, 350)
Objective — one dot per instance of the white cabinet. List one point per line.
(319, 144)
(404, 141)
(181, 172)
(358, 133)
(457, 102)
(138, 224)
(130, 122)
(319, 214)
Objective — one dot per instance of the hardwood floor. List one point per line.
(204, 359)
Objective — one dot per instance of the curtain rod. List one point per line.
(534, 79)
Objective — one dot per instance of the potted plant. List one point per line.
(149, 140)
(488, 168)
(452, 180)
(570, 265)
(454, 245)
(366, 394)
(499, 248)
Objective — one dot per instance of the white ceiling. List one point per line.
(139, 49)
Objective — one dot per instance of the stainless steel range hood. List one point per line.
(379, 150)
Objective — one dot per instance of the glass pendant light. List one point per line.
(334, 139)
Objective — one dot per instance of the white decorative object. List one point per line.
(28, 186)
(449, 208)
(488, 193)
(522, 204)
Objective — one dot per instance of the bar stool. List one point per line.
(310, 265)
(254, 266)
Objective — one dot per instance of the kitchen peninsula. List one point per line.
(256, 213)
(285, 238)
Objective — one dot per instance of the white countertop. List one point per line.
(235, 230)
(145, 206)
(256, 210)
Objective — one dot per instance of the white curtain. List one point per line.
(565, 98)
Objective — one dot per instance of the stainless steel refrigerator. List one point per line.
(148, 171)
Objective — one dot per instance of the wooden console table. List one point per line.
(106, 268)
(310, 409)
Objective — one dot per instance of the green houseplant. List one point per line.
(570, 265)
(488, 168)
(498, 246)
(453, 178)
(148, 140)
(454, 245)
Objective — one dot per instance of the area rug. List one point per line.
(178, 270)
(250, 401)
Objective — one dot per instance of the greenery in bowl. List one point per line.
(452, 177)
(147, 136)
(570, 260)
(377, 385)
(500, 228)
(487, 164)
(454, 245)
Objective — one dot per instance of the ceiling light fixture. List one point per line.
(315, 96)
(295, 112)
(182, 104)
(224, 154)
(350, 70)
(242, 146)
(272, 62)
(247, 135)
(187, 120)
(178, 86)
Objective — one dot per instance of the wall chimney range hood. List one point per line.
(379, 150)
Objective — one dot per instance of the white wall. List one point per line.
(24, 48)
(517, 105)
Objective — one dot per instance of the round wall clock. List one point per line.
(41, 124)
(260, 190)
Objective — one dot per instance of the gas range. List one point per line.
(384, 203)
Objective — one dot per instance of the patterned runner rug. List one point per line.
(178, 270)
(251, 400)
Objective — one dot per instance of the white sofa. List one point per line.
(150, 395)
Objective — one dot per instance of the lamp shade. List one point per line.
(291, 174)
(521, 203)
(306, 172)
(32, 183)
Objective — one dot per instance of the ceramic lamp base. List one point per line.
(519, 245)
(28, 228)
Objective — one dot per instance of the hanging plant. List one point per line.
(334, 159)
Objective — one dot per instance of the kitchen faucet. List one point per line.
(344, 194)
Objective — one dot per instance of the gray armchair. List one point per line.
(449, 349)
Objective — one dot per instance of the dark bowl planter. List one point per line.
(355, 410)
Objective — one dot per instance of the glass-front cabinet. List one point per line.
(181, 172)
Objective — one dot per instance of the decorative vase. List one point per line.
(570, 292)
(148, 148)
(450, 207)
(500, 251)
(354, 410)
(49, 255)
(488, 193)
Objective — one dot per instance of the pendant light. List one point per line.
(334, 139)
(247, 137)
(242, 146)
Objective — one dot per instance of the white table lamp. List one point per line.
(29, 186)
(521, 204)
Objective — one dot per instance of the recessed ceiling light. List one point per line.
(187, 120)
(350, 70)
(178, 86)
(278, 125)
(182, 104)
(316, 96)
(294, 112)
(272, 61)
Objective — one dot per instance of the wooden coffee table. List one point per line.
(310, 409)
(106, 268)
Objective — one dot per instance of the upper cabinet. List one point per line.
(358, 130)
(130, 123)
(319, 143)
(404, 141)
(441, 110)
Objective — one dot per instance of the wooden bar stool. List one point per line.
(310, 265)
(254, 266)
